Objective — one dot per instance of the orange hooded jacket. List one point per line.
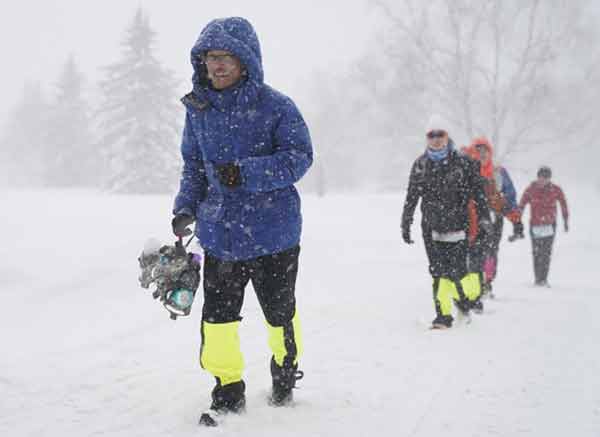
(496, 200)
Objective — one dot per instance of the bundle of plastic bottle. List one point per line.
(175, 272)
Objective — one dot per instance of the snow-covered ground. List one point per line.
(86, 352)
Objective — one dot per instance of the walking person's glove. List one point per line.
(180, 224)
(229, 174)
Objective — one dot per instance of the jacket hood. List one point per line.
(485, 142)
(487, 168)
(235, 35)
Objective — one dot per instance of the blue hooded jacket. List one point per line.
(260, 130)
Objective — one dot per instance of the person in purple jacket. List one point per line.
(244, 147)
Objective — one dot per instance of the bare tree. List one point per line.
(487, 66)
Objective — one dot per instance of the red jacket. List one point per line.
(543, 198)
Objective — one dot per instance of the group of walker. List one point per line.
(464, 200)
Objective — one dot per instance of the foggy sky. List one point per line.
(297, 37)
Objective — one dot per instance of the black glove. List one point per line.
(406, 235)
(180, 224)
(566, 226)
(518, 232)
(229, 174)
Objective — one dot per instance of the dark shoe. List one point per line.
(229, 398)
(226, 399)
(477, 306)
(284, 381)
(442, 322)
(463, 306)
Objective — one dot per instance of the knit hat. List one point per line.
(544, 172)
(436, 122)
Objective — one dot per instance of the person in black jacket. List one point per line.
(445, 181)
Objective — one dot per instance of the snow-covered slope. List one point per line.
(87, 352)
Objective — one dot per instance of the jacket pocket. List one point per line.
(212, 208)
(210, 212)
(272, 209)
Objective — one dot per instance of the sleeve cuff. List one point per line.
(185, 211)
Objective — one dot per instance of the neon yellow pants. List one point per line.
(221, 355)
(446, 291)
(286, 340)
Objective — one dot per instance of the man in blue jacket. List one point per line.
(244, 146)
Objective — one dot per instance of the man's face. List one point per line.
(224, 69)
(437, 139)
(543, 180)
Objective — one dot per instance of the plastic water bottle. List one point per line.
(182, 298)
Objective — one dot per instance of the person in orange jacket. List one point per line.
(502, 200)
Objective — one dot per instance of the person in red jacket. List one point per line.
(542, 195)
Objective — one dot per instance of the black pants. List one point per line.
(448, 260)
(486, 246)
(273, 278)
(494, 243)
(476, 255)
(542, 253)
(496, 234)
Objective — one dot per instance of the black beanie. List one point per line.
(544, 172)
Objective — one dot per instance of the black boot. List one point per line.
(477, 305)
(442, 322)
(284, 380)
(228, 398)
(463, 306)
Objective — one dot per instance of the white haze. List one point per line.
(296, 37)
(334, 59)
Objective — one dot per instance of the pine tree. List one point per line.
(23, 140)
(139, 117)
(71, 159)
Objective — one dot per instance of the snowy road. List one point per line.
(86, 352)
